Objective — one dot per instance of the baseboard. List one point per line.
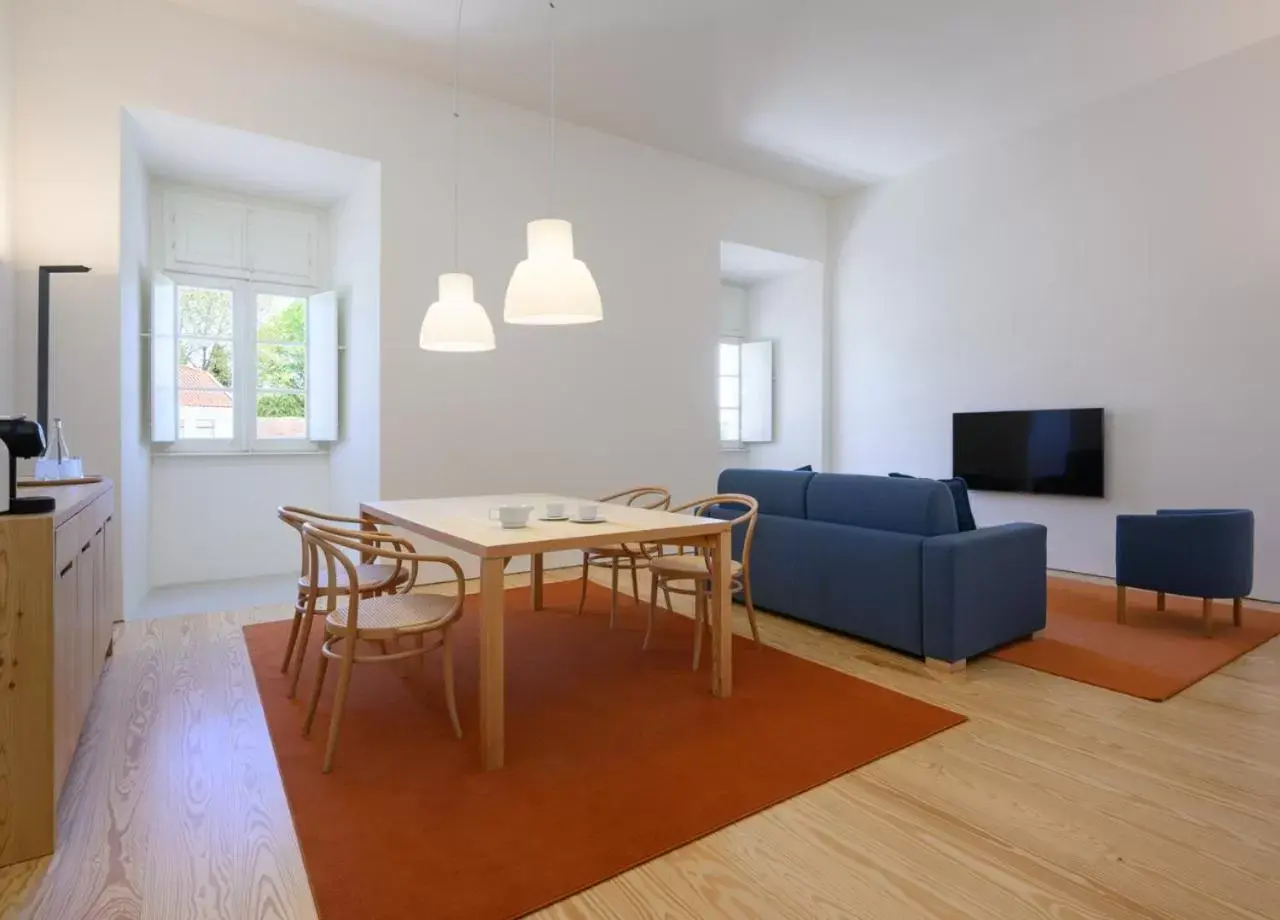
(1109, 580)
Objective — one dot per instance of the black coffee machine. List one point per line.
(24, 439)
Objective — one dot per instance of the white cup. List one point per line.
(588, 512)
(555, 509)
(511, 516)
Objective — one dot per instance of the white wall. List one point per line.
(648, 223)
(6, 208)
(733, 310)
(1128, 257)
(356, 228)
(133, 495)
(788, 310)
(196, 539)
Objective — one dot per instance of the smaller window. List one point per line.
(730, 393)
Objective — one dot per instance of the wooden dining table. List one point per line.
(465, 524)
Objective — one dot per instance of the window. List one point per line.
(730, 392)
(238, 366)
(745, 395)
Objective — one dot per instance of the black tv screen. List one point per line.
(1046, 452)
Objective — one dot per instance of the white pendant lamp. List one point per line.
(456, 322)
(551, 287)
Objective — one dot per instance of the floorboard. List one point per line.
(1057, 800)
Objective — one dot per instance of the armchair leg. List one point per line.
(1237, 611)
(1208, 617)
(1120, 605)
(946, 667)
(1159, 600)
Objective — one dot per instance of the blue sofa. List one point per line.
(882, 559)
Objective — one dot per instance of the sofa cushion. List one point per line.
(911, 506)
(959, 493)
(780, 492)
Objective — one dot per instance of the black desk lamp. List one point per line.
(42, 339)
(25, 439)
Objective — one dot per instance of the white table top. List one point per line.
(464, 523)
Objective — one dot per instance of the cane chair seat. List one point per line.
(397, 613)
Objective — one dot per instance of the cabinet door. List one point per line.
(282, 245)
(86, 599)
(204, 233)
(103, 618)
(66, 724)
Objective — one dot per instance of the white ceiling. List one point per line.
(819, 93)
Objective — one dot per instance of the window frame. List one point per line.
(244, 375)
(736, 341)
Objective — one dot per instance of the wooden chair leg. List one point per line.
(303, 639)
(347, 665)
(653, 603)
(666, 592)
(1207, 607)
(1160, 600)
(321, 670)
(1120, 605)
(635, 583)
(699, 619)
(449, 698)
(586, 574)
(613, 600)
(298, 609)
(1237, 611)
(751, 611)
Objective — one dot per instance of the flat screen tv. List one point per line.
(1045, 451)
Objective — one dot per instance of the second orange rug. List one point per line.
(1155, 655)
(614, 756)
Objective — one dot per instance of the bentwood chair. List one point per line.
(385, 620)
(625, 555)
(696, 567)
(371, 579)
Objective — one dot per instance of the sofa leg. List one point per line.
(1120, 617)
(1159, 600)
(1208, 617)
(945, 667)
(1237, 611)
(1038, 634)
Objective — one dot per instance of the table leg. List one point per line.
(491, 663)
(722, 618)
(535, 578)
(369, 525)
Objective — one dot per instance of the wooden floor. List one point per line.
(1057, 800)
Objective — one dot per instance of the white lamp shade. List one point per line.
(551, 287)
(456, 322)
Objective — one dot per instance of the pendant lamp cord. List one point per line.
(457, 209)
(551, 159)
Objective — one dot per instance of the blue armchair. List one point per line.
(1197, 553)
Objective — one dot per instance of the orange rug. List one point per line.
(614, 756)
(1155, 655)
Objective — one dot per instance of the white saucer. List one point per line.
(563, 517)
(524, 526)
(599, 520)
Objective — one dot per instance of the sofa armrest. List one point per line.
(983, 588)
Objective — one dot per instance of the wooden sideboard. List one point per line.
(57, 610)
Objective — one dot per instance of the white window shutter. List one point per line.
(164, 360)
(757, 392)
(322, 367)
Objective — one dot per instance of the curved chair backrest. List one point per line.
(750, 512)
(297, 518)
(651, 498)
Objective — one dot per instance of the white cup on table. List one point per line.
(555, 509)
(588, 511)
(511, 516)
